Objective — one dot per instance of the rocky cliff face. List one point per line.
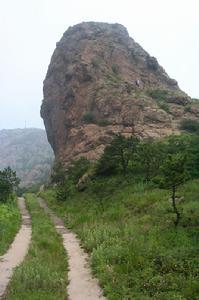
(101, 82)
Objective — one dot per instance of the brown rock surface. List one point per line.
(99, 83)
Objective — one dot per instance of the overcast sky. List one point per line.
(29, 30)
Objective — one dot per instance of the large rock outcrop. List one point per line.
(101, 82)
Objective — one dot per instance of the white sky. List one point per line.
(29, 30)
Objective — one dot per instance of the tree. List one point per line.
(174, 174)
(8, 183)
(78, 168)
(58, 173)
(117, 155)
(151, 155)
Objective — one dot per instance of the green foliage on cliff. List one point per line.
(88, 117)
(190, 126)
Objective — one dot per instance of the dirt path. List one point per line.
(82, 286)
(17, 250)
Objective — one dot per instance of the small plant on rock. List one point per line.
(88, 117)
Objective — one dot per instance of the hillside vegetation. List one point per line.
(9, 224)
(122, 209)
(136, 252)
(28, 153)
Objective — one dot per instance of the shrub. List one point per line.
(8, 183)
(158, 94)
(58, 173)
(88, 117)
(96, 62)
(78, 169)
(115, 69)
(190, 125)
(103, 122)
(65, 191)
(164, 106)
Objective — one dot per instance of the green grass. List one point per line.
(43, 274)
(10, 220)
(136, 251)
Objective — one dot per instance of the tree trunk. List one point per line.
(174, 206)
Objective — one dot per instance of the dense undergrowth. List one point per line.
(43, 274)
(9, 223)
(136, 251)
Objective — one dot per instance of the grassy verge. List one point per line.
(9, 224)
(43, 274)
(136, 252)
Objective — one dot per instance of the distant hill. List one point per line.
(28, 152)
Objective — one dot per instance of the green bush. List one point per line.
(67, 186)
(78, 168)
(96, 62)
(8, 183)
(115, 69)
(88, 117)
(158, 94)
(65, 191)
(164, 106)
(103, 122)
(190, 125)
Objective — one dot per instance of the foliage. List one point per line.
(96, 62)
(66, 179)
(77, 169)
(117, 155)
(189, 145)
(164, 106)
(8, 183)
(9, 224)
(150, 156)
(88, 117)
(58, 174)
(115, 69)
(127, 224)
(173, 175)
(160, 97)
(43, 274)
(104, 122)
(190, 126)
(193, 156)
(135, 251)
(158, 94)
